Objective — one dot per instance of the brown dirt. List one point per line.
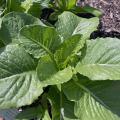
(110, 20)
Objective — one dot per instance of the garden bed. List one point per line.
(110, 20)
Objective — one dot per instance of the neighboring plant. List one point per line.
(36, 7)
(59, 6)
(33, 7)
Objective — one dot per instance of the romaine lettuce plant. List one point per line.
(70, 76)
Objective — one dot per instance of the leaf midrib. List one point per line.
(97, 64)
(46, 49)
(19, 74)
(89, 92)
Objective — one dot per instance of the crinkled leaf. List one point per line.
(101, 60)
(94, 100)
(68, 49)
(49, 74)
(69, 24)
(19, 84)
(39, 40)
(12, 23)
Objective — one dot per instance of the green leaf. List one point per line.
(89, 108)
(22, 119)
(54, 16)
(12, 23)
(46, 116)
(39, 40)
(94, 100)
(54, 98)
(65, 5)
(67, 109)
(72, 92)
(70, 3)
(49, 74)
(1, 44)
(101, 60)
(19, 84)
(44, 3)
(62, 108)
(69, 24)
(87, 9)
(92, 10)
(68, 49)
(31, 113)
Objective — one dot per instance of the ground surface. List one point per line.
(110, 21)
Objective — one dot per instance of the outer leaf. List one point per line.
(69, 24)
(19, 84)
(49, 74)
(68, 49)
(89, 108)
(94, 100)
(39, 40)
(12, 23)
(102, 60)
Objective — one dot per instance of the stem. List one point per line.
(60, 101)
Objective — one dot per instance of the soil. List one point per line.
(110, 21)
